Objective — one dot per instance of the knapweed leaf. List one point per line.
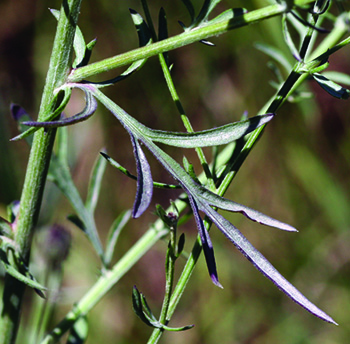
(78, 43)
(261, 263)
(88, 51)
(205, 11)
(190, 9)
(337, 77)
(145, 38)
(275, 54)
(144, 189)
(331, 87)
(288, 39)
(210, 137)
(26, 277)
(138, 307)
(254, 215)
(62, 178)
(95, 184)
(113, 234)
(206, 243)
(130, 175)
(79, 331)
(227, 15)
(88, 111)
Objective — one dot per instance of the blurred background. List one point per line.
(297, 173)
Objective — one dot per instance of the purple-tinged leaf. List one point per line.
(144, 189)
(261, 263)
(206, 243)
(254, 215)
(89, 110)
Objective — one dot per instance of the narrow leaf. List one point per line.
(275, 54)
(130, 175)
(262, 264)
(144, 181)
(61, 176)
(95, 184)
(331, 87)
(27, 279)
(288, 39)
(89, 110)
(206, 243)
(114, 233)
(254, 215)
(211, 137)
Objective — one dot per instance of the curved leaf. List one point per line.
(262, 264)
(89, 110)
(144, 181)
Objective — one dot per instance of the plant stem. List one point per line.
(38, 166)
(175, 42)
(108, 280)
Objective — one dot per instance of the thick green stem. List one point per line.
(38, 166)
(175, 42)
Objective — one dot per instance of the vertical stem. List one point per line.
(38, 165)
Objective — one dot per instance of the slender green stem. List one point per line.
(108, 280)
(175, 42)
(292, 82)
(169, 281)
(38, 166)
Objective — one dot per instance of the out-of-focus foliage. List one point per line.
(297, 173)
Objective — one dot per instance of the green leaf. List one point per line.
(331, 87)
(227, 15)
(337, 77)
(60, 174)
(78, 43)
(210, 137)
(275, 54)
(24, 275)
(95, 184)
(288, 39)
(113, 234)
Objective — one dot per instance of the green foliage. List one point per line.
(304, 50)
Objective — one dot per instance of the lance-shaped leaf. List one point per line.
(288, 39)
(275, 54)
(144, 189)
(130, 175)
(261, 263)
(89, 110)
(199, 195)
(95, 184)
(331, 87)
(206, 243)
(211, 137)
(113, 234)
(254, 215)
